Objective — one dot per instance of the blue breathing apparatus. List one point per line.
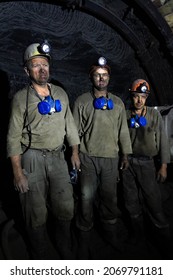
(103, 103)
(137, 122)
(49, 106)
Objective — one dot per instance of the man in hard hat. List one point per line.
(40, 119)
(101, 121)
(149, 143)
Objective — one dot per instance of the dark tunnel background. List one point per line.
(136, 41)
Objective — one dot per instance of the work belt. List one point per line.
(45, 152)
(140, 157)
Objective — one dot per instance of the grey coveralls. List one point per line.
(103, 134)
(139, 180)
(43, 163)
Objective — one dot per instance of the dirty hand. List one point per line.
(21, 183)
(124, 163)
(75, 161)
(162, 174)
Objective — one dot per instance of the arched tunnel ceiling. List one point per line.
(125, 32)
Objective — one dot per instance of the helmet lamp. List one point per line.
(102, 61)
(45, 47)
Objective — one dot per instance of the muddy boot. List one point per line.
(84, 245)
(164, 243)
(39, 243)
(137, 246)
(159, 220)
(109, 233)
(161, 235)
(63, 240)
(137, 233)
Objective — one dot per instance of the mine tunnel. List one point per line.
(135, 37)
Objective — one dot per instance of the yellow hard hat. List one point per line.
(37, 49)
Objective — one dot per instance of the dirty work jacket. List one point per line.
(47, 131)
(103, 133)
(150, 140)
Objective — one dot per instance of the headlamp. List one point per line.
(102, 61)
(144, 88)
(45, 47)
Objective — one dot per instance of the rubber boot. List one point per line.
(159, 220)
(109, 234)
(40, 245)
(161, 235)
(137, 245)
(63, 240)
(84, 245)
(164, 243)
(137, 232)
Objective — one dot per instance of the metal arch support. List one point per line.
(109, 17)
(114, 21)
(156, 18)
(152, 12)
